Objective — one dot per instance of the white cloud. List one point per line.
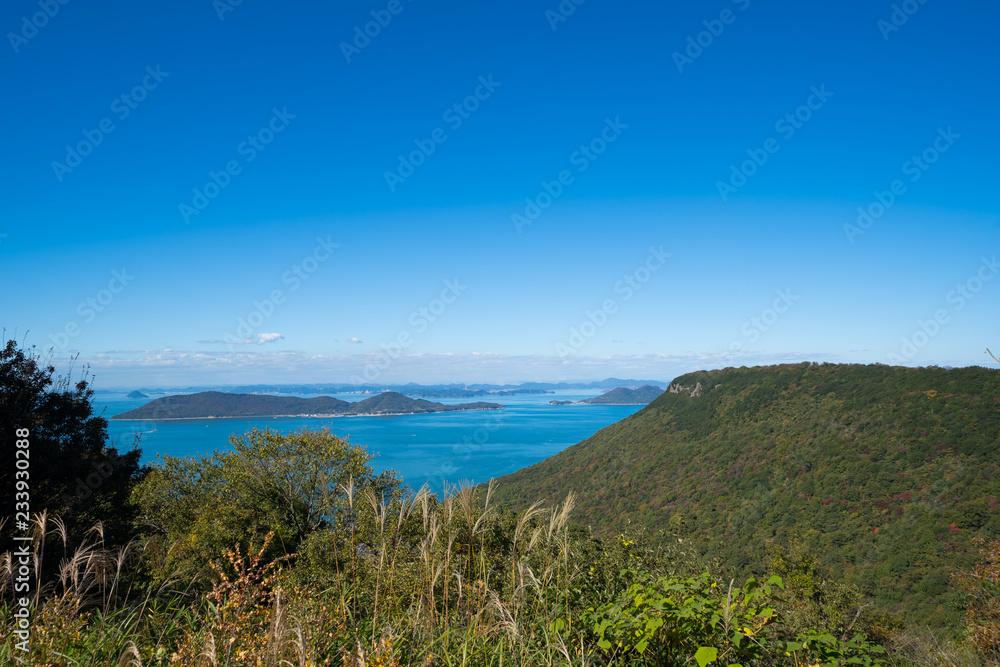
(354, 340)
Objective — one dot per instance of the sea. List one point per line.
(441, 450)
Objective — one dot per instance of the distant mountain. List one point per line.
(410, 389)
(609, 383)
(885, 473)
(136, 394)
(209, 404)
(625, 396)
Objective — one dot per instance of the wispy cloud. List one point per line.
(354, 340)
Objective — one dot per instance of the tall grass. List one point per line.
(418, 580)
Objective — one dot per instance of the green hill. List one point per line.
(885, 472)
(625, 396)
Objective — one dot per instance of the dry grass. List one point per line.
(415, 585)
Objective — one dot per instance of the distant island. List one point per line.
(515, 392)
(624, 396)
(620, 396)
(216, 404)
(136, 394)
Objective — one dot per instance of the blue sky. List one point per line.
(712, 156)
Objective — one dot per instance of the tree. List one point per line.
(72, 470)
(290, 485)
(302, 474)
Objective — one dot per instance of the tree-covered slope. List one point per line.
(885, 472)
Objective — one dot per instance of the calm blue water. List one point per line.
(433, 449)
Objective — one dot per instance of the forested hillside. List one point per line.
(885, 472)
